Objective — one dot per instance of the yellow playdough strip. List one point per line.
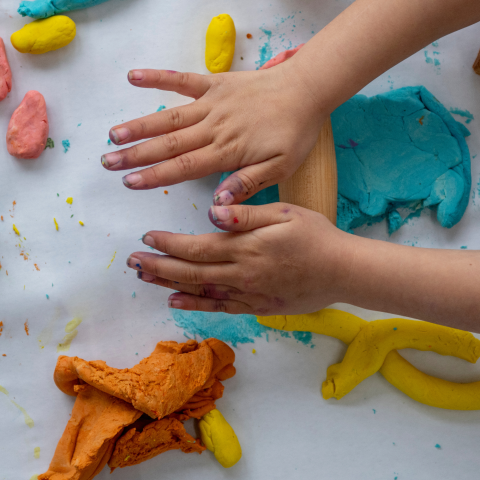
(396, 370)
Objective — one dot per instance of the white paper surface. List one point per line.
(286, 429)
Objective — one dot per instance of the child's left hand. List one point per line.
(281, 259)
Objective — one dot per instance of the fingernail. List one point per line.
(175, 303)
(132, 179)
(135, 75)
(148, 240)
(220, 214)
(118, 135)
(134, 262)
(223, 198)
(146, 277)
(111, 159)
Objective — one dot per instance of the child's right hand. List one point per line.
(259, 122)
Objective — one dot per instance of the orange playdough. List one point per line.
(5, 72)
(176, 382)
(89, 439)
(28, 128)
(161, 383)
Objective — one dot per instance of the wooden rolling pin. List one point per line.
(314, 184)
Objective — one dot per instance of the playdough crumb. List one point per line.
(161, 107)
(26, 327)
(80, 222)
(254, 351)
(15, 229)
(463, 247)
(437, 446)
(165, 192)
(56, 224)
(66, 145)
(134, 295)
(109, 141)
(36, 452)
(249, 35)
(47, 297)
(69, 200)
(49, 144)
(195, 206)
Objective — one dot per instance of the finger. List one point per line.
(184, 301)
(158, 149)
(248, 181)
(242, 218)
(187, 166)
(220, 292)
(189, 84)
(181, 271)
(211, 247)
(158, 123)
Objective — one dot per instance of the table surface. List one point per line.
(286, 429)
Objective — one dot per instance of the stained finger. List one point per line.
(184, 301)
(189, 84)
(210, 247)
(157, 150)
(187, 166)
(159, 123)
(248, 181)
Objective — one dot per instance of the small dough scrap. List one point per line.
(42, 36)
(5, 72)
(89, 439)
(27, 131)
(160, 384)
(281, 57)
(140, 443)
(367, 353)
(220, 438)
(220, 46)
(47, 8)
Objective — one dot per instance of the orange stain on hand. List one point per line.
(26, 327)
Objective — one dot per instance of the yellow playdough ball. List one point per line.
(220, 47)
(219, 437)
(41, 36)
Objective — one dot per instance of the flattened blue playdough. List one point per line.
(47, 8)
(397, 149)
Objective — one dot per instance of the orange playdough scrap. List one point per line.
(5, 72)
(27, 131)
(89, 439)
(139, 444)
(160, 384)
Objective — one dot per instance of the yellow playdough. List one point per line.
(218, 436)
(220, 47)
(399, 372)
(44, 35)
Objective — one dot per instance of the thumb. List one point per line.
(242, 218)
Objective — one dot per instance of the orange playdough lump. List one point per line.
(5, 72)
(27, 131)
(88, 441)
(127, 416)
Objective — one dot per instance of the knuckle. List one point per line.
(219, 306)
(191, 276)
(249, 185)
(186, 164)
(142, 127)
(196, 252)
(175, 118)
(183, 79)
(171, 143)
(134, 154)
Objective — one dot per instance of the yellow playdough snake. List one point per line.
(220, 44)
(372, 348)
(219, 437)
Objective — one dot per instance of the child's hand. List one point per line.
(259, 122)
(281, 259)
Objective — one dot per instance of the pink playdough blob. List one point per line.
(28, 128)
(281, 57)
(5, 72)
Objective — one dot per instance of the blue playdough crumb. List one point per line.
(47, 297)
(265, 51)
(134, 295)
(463, 247)
(161, 107)
(66, 145)
(109, 141)
(437, 446)
(462, 113)
(374, 411)
(79, 125)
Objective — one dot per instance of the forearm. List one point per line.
(368, 38)
(439, 286)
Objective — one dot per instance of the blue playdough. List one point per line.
(47, 8)
(398, 149)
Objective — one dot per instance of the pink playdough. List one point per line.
(5, 72)
(281, 57)
(28, 128)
